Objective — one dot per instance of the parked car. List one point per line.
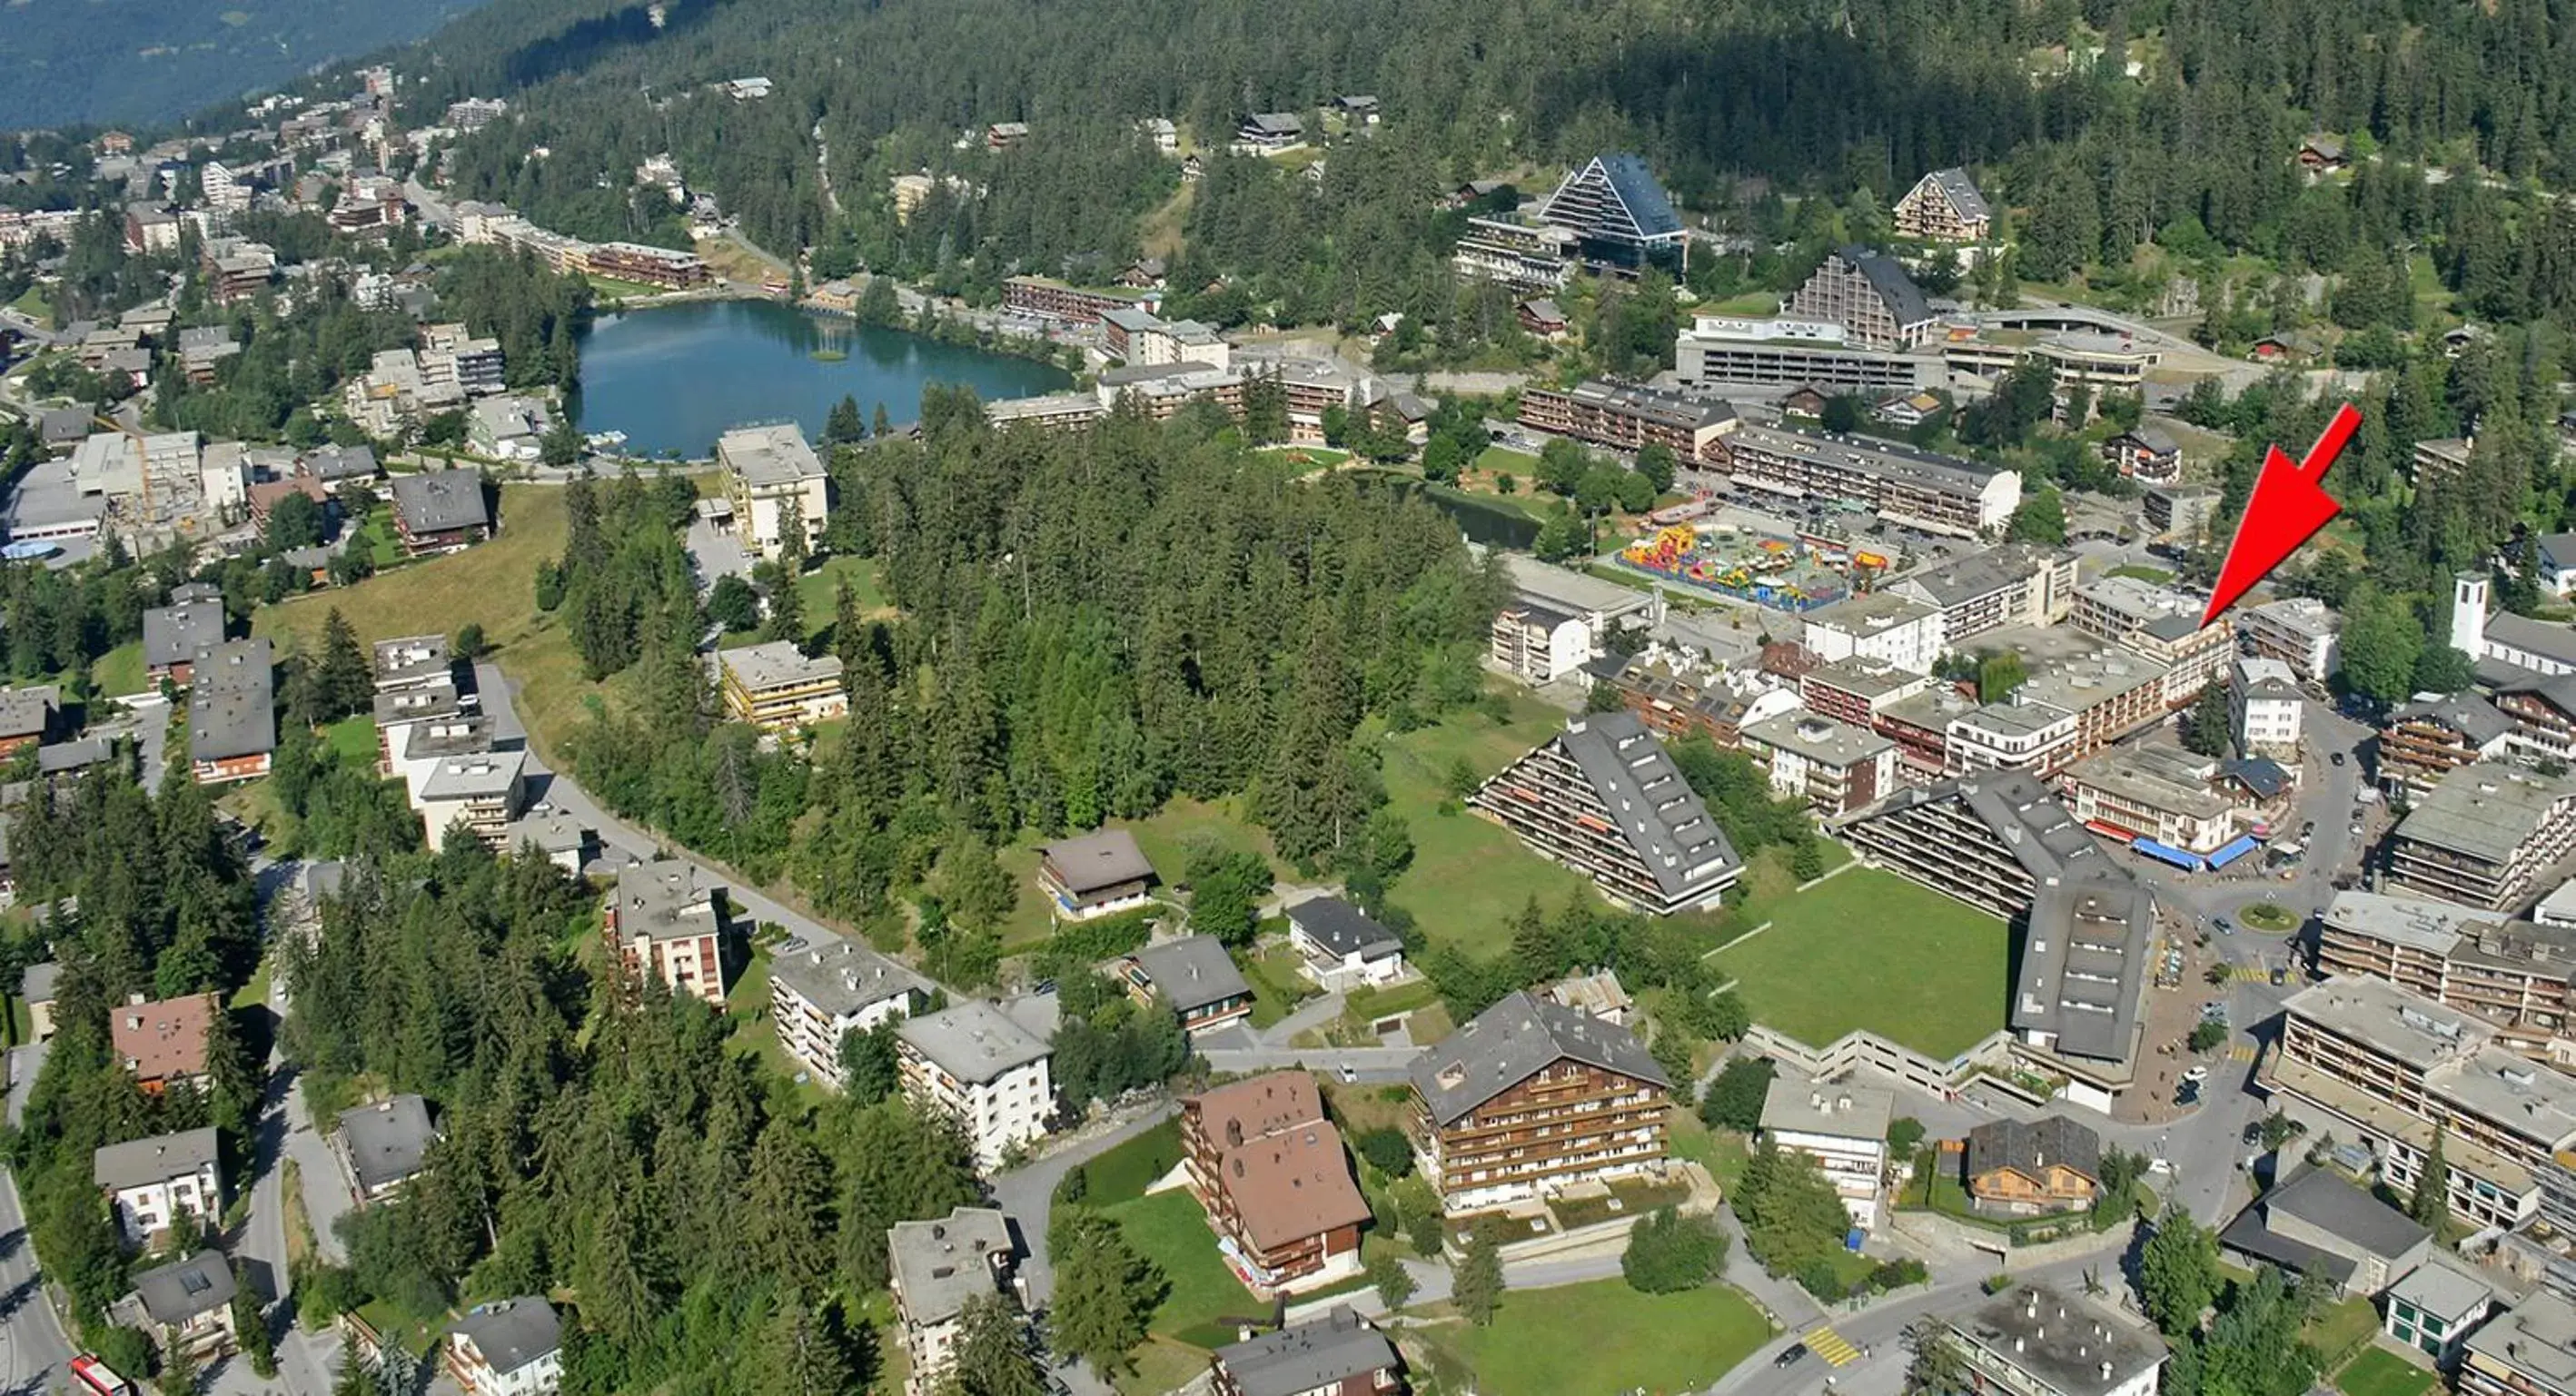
(2337, 758)
(2196, 1075)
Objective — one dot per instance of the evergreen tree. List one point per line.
(1393, 1283)
(802, 1352)
(884, 426)
(1932, 1366)
(869, 1066)
(2208, 728)
(844, 427)
(993, 1356)
(2178, 1271)
(1477, 1287)
(2430, 1203)
(1104, 1294)
(787, 1209)
(344, 680)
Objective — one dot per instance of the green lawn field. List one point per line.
(1205, 1298)
(1597, 1339)
(1871, 950)
(2378, 1372)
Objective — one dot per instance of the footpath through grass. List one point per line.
(1869, 949)
(1597, 1339)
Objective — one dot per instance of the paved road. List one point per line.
(33, 1347)
(568, 798)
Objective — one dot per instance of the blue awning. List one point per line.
(2166, 853)
(2236, 848)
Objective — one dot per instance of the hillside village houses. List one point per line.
(1842, 1129)
(823, 989)
(935, 1269)
(157, 1183)
(985, 1068)
(506, 1347)
(663, 926)
(383, 1145)
(1530, 1096)
(162, 1043)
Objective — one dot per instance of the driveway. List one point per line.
(717, 554)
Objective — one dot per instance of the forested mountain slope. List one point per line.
(70, 62)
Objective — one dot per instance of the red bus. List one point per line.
(93, 1378)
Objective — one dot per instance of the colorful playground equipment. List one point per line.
(1788, 574)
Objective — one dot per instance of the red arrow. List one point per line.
(2289, 505)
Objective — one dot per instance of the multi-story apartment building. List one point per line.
(1917, 489)
(1879, 625)
(1920, 727)
(1842, 1129)
(1837, 768)
(822, 989)
(508, 1347)
(662, 924)
(2021, 733)
(1603, 798)
(1537, 644)
(1529, 258)
(1944, 206)
(2016, 584)
(479, 794)
(1048, 412)
(1857, 689)
(2529, 1350)
(2514, 974)
(1270, 1171)
(2543, 714)
(935, 1269)
(153, 1184)
(2158, 624)
(2030, 1341)
(1054, 300)
(2152, 791)
(1732, 349)
(2180, 513)
(1336, 1355)
(982, 1067)
(649, 266)
(1675, 703)
(1989, 840)
(1531, 1096)
(2079, 998)
(232, 711)
(2263, 708)
(411, 662)
(2424, 742)
(775, 479)
(1868, 294)
(2371, 1062)
(1626, 416)
(778, 686)
(2483, 836)
(1620, 216)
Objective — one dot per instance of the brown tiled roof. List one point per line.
(1292, 1185)
(1249, 1109)
(163, 1040)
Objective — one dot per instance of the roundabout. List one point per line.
(2271, 918)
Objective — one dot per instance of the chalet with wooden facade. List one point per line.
(1530, 1096)
(1278, 1190)
(2024, 1167)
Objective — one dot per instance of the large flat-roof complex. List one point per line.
(2369, 1061)
(1919, 489)
(2519, 976)
(773, 477)
(1626, 416)
(1602, 797)
(2484, 836)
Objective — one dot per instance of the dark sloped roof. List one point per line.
(1904, 299)
(183, 1289)
(1962, 192)
(1309, 1357)
(1638, 190)
(2322, 1199)
(511, 1333)
(1341, 927)
(441, 500)
(387, 1141)
(2054, 1141)
(1102, 858)
(1193, 972)
(1512, 1039)
(1660, 817)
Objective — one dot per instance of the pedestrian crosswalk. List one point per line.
(1831, 1346)
(2249, 974)
(2243, 1052)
